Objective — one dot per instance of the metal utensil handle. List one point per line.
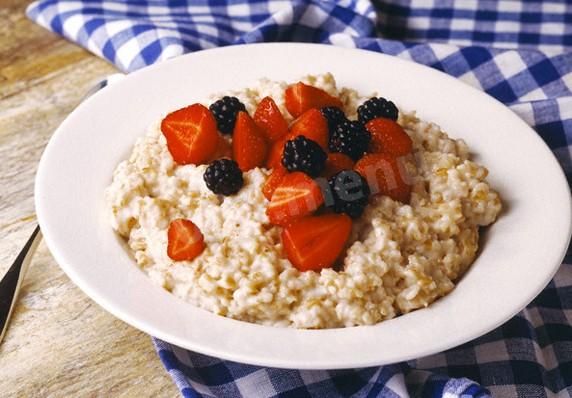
(10, 284)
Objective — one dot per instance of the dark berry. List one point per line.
(350, 138)
(377, 107)
(305, 155)
(347, 193)
(223, 177)
(224, 110)
(334, 116)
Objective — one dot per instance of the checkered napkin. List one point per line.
(518, 52)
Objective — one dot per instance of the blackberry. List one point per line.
(223, 177)
(334, 116)
(305, 155)
(224, 111)
(348, 193)
(376, 107)
(350, 138)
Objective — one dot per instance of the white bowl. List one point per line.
(520, 252)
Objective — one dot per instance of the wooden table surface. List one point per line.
(59, 343)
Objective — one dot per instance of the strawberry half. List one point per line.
(300, 97)
(297, 196)
(191, 134)
(388, 137)
(313, 125)
(337, 162)
(273, 181)
(185, 240)
(270, 120)
(315, 242)
(224, 149)
(275, 154)
(385, 175)
(249, 146)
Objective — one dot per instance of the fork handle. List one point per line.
(12, 281)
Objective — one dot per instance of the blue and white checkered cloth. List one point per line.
(520, 52)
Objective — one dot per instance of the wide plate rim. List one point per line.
(62, 254)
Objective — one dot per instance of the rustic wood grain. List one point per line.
(60, 343)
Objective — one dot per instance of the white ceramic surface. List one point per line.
(520, 253)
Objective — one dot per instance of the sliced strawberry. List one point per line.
(388, 137)
(315, 242)
(300, 97)
(275, 154)
(313, 125)
(296, 196)
(386, 175)
(273, 181)
(191, 134)
(185, 240)
(249, 146)
(223, 150)
(337, 162)
(270, 120)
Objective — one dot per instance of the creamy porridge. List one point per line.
(399, 257)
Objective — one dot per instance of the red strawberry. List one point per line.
(296, 196)
(386, 175)
(300, 97)
(275, 154)
(313, 125)
(224, 150)
(273, 181)
(388, 137)
(270, 120)
(185, 240)
(249, 147)
(337, 162)
(315, 242)
(191, 134)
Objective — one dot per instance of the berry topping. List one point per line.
(316, 242)
(305, 155)
(296, 196)
(223, 150)
(350, 138)
(376, 107)
(185, 240)
(313, 125)
(300, 97)
(249, 147)
(348, 193)
(388, 137)
(225, 110)
(385, 175)
(275, 154)
(337, 162)
(191, 134)
(273, 181)
(223, 177)
(270, 120)
(334, 116)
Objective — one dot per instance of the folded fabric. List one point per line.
(518, 52)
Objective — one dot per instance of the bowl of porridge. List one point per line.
(300, 214)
